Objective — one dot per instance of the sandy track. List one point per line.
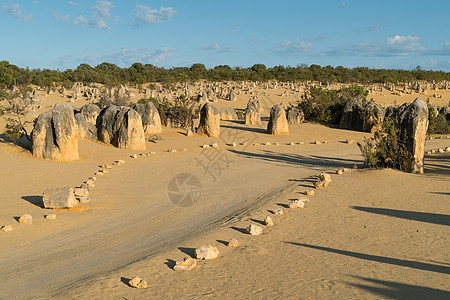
(131, 216)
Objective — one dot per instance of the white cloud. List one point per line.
(81, 21)
(295, 48)
(394, 46)
(145, 14)
(60, 17)
(343, 4)
(101, 14)
(123, 58)
(71, 3)
(15, 11)
(212, 47)
(217, 48)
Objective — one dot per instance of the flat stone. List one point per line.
(186, 265)
(350, 141)
(339, 172)
(81, 192)
(253, 229)
(59, 198)
(26, 219)
(215, 145)
(206, 252)
(309, 193)
(206, 146)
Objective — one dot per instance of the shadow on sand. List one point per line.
(432, 218)
(397, 290)
(35, 200)
(382, 259)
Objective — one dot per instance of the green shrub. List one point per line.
(384, 149)
(437, 122)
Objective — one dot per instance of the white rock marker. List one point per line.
(186, 265)
(233, 243)
(322, 181)
(7, 228)
(206, 252)
(268, 221)
(50, 216)
(253, 229)
(26, 219)
(138, 283)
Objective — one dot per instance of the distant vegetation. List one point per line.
(112, 75)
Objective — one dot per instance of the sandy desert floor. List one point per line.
(371, 234)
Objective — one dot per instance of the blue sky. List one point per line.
(377, 34)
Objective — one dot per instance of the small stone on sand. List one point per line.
(206, 252)
(26, 219)
(254, 229)
(296, 204)
(186, 265)
(268, 221)
(138, 283)
(50, 216)
(7, 228)
(233, 243)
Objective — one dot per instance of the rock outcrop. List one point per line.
(228, 114)
(55, 134)
(150, 117)
(209, 120)
(277, 122)
(295, 116)
(413, 126)
(252, 115)
(121, 127)
(361, 115)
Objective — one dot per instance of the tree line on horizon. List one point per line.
(137, 74)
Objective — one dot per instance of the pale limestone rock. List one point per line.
(413, 126)
(59, 198)
(209, 120)
(55, 134)
(253, 229)
(309, 193)
(268, 221)
(296, 204)
(278, 211)
(189, 132)
(138, 283)
(339, 172)
(186, 265)
(7, 228)
(233, 243)
(50, 216)
(206, 146)
(26, 219)
(317, 142)
(215, 145)
(322, 181)
(350, 141)
(277, 122)
(206, 252)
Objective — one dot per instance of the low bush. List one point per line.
(384, 149)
